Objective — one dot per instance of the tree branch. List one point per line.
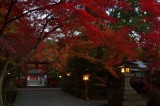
(6, 16)
(6, 21)
(29, 11)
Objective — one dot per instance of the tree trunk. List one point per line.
(1, 90)
(2, 76)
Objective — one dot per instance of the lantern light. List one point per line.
(60, 76)
(122, 70)
(86, 77)
(68, 74)
(125, 70)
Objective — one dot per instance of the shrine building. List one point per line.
(36, 73)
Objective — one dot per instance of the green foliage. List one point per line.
(84, 38)
(131, 18)
(133, 1)
(100, 53)
(53, 74)
(3, 0)
(81, 64)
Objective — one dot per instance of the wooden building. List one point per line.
(36, 73)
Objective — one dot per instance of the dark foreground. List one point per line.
(51, 97)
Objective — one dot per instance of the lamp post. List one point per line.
(85, 79)
(67, 78)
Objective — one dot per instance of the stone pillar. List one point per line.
(126, 95)
(130, 96)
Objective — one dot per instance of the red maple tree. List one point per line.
(18, 41)
(149, 41)
(25, 24)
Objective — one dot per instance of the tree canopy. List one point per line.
(116, 26)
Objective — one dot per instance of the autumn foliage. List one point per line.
(149, 41)
(62, 19)
(77, 27)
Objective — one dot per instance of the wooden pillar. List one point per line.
(47, 71)
(25, 73)
(19, 77)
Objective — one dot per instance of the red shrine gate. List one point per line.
(36, 73)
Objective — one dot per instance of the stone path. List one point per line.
(51, 97)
